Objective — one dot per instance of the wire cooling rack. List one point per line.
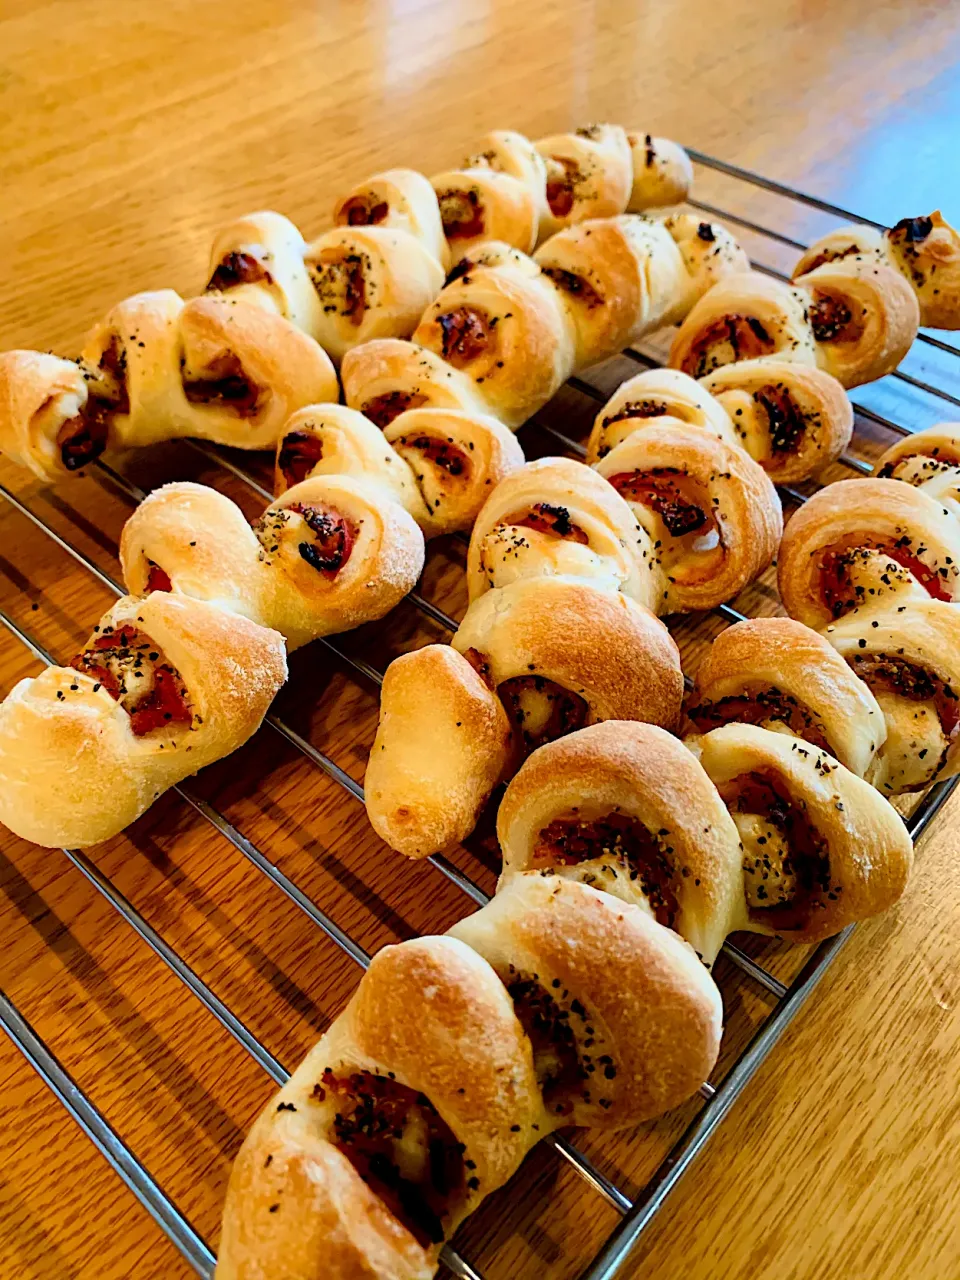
(907, 399)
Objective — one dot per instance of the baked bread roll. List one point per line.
(372, 282)
(821, 848)
(550, 654)
(620, 278)
(909, 656)
(443, 743)
(657, 397)
(710, 254)
(743, 317)
(157, 368)
(558, 517)
(259, 259)
(712, 514)
(926, 251)
(330, 554)
(627, 808)
(502, 324)
(439, 464)
(398, 200)
(392, 1129)
(562, 653)
(791, 419)
(662, 173)
(864, 317)
(386, 378)
(853, 318)
(607, 1054)
(499, 193)
(779, 674)
(589, 175)
(860, 541)
(930, 461)
(164, 686)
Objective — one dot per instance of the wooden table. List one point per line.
(126, 134)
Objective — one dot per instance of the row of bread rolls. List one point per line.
(578, 995)
(233, 365)
(182, 670)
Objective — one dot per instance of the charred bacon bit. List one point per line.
(83, 438)
(760, 708)
(787, 423)
(225, 386)
(341, 283)
(563, 177)
(401, 1148)
(333, 540)
(238, 268)
(840, 595)
(548, 517)
(541, 710)
(831, 319)
(662, 489)
(363, 211)
(382, 410)
(462, 214)
(481, 665)
(745, 335)
(706, 232)
(893, 674)
(466, 335)
(575, 285)
(766, 795)
(440, 453)
(831, 255)
(135, 656)
(158, 579)
(623, 840)
(548, 1025)
(912, 230)
(300, 451)
(650, 151)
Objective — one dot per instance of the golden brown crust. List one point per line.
(259, 258)
(791, 419)
(465, 1052)
(887, 531)
(397, 199)
(633, 771)
(864, 317)
(909, 654)
(480, 204)
(930, 461)
(589, 175)
(443, 743)
(505, 327)
(510, 152)
(593, 536)
(386, 377)
(72, 770)
(765, 656)
(662, 173)
(38, 394)
(457, 459)
(599, 645)
(372, 282)
(645, 1042)
(711, 512)
(869, 854)
(657, 397)
(710, 254)
(201, 541)
(744, 316)
(620, 279)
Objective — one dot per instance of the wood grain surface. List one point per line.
(128, 132)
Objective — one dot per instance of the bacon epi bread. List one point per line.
(854, 318)
(393, 1129)
(925, 250)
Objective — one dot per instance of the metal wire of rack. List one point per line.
(637, 1213)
